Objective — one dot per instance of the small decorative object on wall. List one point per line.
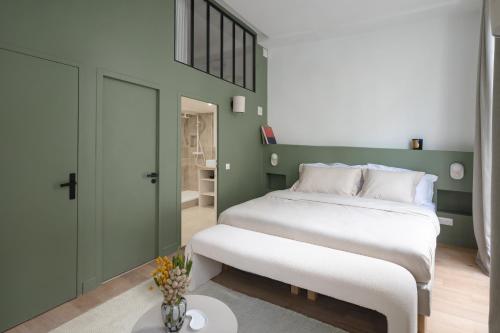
(238, 104)
(172, 278)
(457, 171)
(274, 159)
(417, 144)
(268, 137)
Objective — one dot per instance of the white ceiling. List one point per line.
(289, 21)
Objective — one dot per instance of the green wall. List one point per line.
(136, 39)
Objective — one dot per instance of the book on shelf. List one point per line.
(268, 137)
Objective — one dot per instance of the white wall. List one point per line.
(380, 88)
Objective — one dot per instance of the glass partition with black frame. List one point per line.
(211, 40)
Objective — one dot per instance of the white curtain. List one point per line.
(494, 323)
(495, 214)
(483, 145)
(182, 30)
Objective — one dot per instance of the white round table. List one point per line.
(220, 318)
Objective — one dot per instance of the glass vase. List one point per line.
(173, 315)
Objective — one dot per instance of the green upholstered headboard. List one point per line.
(436, 162)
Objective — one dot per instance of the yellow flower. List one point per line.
(163, 270)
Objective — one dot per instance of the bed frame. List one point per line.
(387, 288)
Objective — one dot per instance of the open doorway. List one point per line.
(199, 167)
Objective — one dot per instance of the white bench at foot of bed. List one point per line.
(372, 283)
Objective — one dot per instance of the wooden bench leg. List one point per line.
(422, 320)
(294, 290)
(312, 296)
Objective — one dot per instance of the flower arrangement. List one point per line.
(172, 277)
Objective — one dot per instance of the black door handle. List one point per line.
(153, 176)
(72, 185)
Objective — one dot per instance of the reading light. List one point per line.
(274, 159)
(238, 104)
(457, 171)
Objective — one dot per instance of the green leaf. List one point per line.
(156, 281)
(174, 261)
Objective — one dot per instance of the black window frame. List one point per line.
(235, 22)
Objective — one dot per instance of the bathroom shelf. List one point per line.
(207, 184)
(206, 168)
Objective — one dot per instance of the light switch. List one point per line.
(228, 166)
(259, 110)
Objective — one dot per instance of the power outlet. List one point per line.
(446, 221)
(228, 166)
(259, 110)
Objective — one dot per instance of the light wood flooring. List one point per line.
(459, 301)
(195, 219)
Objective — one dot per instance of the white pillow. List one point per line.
(390, 185)
(330, 165)
(301, 167)
(333, 180)
(425, 188)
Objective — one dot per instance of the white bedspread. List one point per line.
(404, 234)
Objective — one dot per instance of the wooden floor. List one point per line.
(459, 301)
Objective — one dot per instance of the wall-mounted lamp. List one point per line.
(238, 104)
(274, 159)
(457, 171)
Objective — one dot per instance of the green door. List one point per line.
(38, 221)
(129, 196)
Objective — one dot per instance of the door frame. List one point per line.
(101, 75)
(179, 158)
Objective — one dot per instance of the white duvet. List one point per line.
(404, 234)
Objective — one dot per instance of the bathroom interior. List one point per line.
(199, 166)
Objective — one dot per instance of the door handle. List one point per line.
(153, 176)
(72, 185)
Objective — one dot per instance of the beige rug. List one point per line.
(119, 314)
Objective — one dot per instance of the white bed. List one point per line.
(404, 234)
(357, 222)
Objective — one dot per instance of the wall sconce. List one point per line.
(238, 104)
(457, 171)
(274, 159)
